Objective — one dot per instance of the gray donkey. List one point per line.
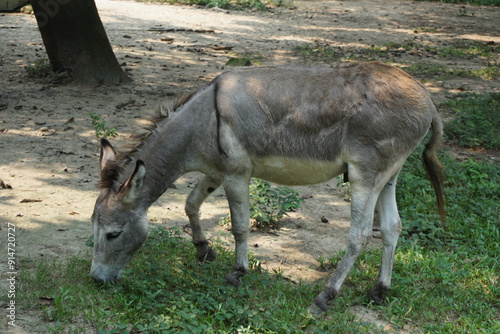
(290, 125)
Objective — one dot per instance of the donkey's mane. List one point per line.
(110, 174)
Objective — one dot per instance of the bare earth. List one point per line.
(48, 149)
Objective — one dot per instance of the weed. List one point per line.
(41, 68)
(248, 59)
(100, 127)
(345, 187)
(268, 204)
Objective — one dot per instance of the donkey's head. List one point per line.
(119, 221)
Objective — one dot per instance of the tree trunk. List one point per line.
(76, 41)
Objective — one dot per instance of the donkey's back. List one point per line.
(303, 125)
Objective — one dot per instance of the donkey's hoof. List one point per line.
(233, 277)
(377, 294)
(315, 311)
(206, 255)
(319, 305)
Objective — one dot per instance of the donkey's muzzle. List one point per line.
(104, 275)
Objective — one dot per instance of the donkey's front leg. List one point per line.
(204, 188)
(236, 188)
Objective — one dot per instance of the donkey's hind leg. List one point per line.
(365, 187)
(197, 196)
(390, 225)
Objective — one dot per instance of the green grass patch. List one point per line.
(470, 2)
(436, 291)
(248, 59)
(393, 53)
(455, 50)
(232, 4)
(165, 290)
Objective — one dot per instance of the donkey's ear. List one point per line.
(108, 153)
(131, 189)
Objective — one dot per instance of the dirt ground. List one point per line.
(48, 149)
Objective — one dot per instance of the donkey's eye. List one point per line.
(113, 235)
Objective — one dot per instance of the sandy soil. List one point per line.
(48, 150)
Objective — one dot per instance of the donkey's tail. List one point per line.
(433, 166)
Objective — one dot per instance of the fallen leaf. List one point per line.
(224, 48)
(28, 200)
(73, 213)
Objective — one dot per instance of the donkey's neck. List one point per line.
(177, 145)
(165, 153)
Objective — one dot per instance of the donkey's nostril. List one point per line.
(103, 275)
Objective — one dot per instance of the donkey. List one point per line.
(289, 125)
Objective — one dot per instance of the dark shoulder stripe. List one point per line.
(217, 114)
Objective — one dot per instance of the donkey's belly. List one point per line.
(294, 171)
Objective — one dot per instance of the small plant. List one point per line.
(345, 187)
(267, 204)
(100, 127)
(41, 68)
(248, 59)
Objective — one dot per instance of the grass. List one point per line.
(232, 4)
(476, 120)
(247, 59)
(471, 2)
(165, 290)
(391, 52)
